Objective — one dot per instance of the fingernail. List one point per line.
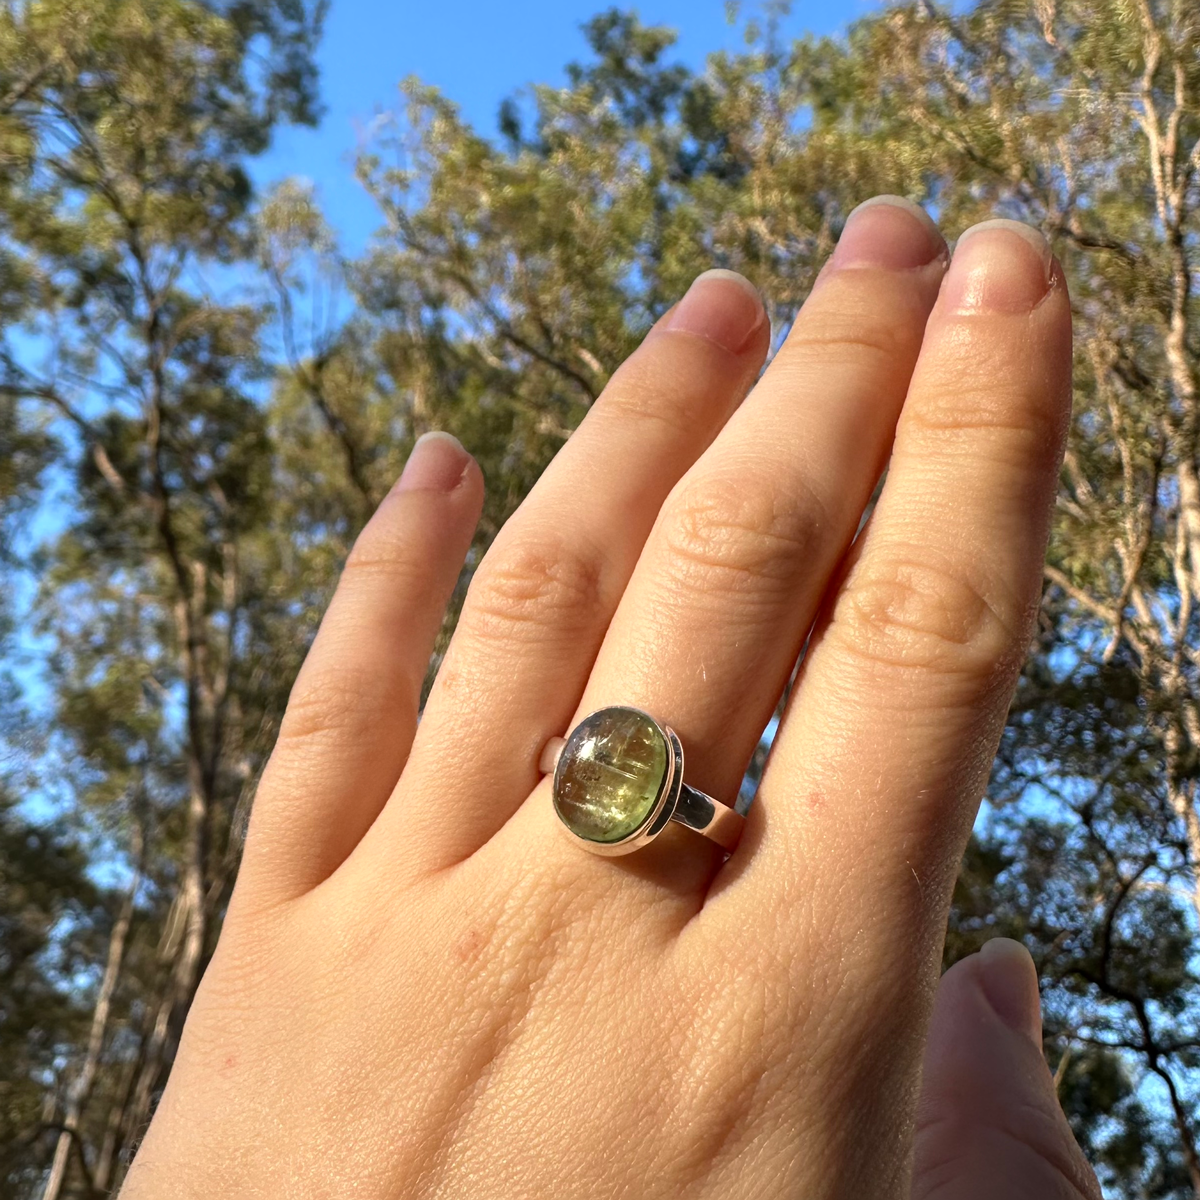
(437, 464)
(998, 266)
(722, 307)
(889, 232)
(1010, 985)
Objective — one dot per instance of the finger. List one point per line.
(882, 757)
(715, 614)
(876, 773)
(989, 1125)
(352, 713)
(542, 598)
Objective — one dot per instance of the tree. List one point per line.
(550, 253)
(221, 455)
(125, 125)
(1085, 119)
(49, 918)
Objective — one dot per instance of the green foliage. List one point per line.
(162, 586)
(221, 455)
(47, 912)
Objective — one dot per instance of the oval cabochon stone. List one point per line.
(609, 774)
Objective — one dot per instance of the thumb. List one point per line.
(989, 1124)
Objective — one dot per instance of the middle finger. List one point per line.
(726, 588)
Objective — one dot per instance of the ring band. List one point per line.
(618, 782)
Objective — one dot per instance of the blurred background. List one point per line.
(251, 249)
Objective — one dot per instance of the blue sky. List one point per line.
(477, 52)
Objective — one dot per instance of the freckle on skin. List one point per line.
(469, 946)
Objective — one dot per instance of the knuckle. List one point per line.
(844, 334)
(642, 397)
(909, 614)
(347, 706)
(532, 585)
(665, 383)
(725, 534)
(383, 552)
(974, 386)
(1002, 415)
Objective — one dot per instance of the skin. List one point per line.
(423, 989)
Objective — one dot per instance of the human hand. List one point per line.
(424, 989)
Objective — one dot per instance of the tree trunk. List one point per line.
(80, 1089)
(102, 1173)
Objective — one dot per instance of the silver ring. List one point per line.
(618, 781)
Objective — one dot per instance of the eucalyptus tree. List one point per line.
(516, 273)
(131, 391)
(219, 455)
(1084, 119)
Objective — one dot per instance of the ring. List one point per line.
(618, 781)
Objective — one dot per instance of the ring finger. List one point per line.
(717, 609)
(542, 598)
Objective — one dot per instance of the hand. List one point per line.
(424, 989)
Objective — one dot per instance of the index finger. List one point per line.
(865, 807)
(880, 762)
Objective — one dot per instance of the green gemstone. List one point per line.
(610, 774)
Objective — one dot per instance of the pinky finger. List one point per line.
(353, 710)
